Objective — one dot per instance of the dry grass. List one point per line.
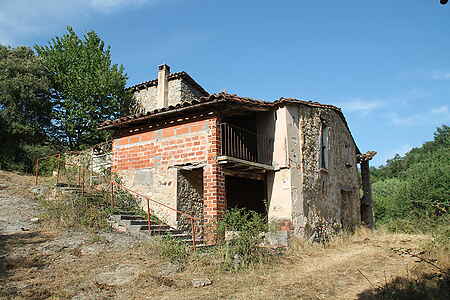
(350, 267)
(364, 265)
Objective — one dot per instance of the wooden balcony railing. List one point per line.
(244, 144)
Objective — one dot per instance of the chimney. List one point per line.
(163, 86)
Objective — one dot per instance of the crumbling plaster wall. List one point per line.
(300, 193)
(279, 190)
(321, 189)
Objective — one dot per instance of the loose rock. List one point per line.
(120, 275)
(169, 269)
(201, 282)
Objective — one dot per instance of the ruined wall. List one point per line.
(179, 91)
(303, 197)
(146, 161)
(189, 196)
(146, 99)
(322, 189)
(189, 93)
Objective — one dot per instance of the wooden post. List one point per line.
(79, 174)
(82, 181)
(193, 233)
(366, 201)
(36, 171)
(149, 222)
(59, 168)
(112, 194)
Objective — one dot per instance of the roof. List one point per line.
(211, 100)
(207, 101)
(178, 75)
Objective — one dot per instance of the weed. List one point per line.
(242, 250)
(88, 210)
(174, 250)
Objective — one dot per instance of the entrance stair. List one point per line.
(135, 225)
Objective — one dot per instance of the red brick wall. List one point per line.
(178, 144)
(192, 142)
(213, 181)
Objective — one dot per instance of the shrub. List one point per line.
(243, 251)
(174, 250)
(88, 210)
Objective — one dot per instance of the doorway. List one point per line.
(246, 193)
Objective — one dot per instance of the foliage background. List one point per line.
(412, 192)
(52, 99)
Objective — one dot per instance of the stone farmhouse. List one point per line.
(293, 160)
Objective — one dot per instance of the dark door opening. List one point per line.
(246, 193)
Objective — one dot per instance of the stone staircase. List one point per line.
(137, 226)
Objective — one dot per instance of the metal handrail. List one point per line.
(192, 218)
(58, 156)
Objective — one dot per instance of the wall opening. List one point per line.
(246, 193)
(189, 196)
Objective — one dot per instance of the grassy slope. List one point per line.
(350, 267)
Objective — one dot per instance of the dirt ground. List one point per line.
(41, 263)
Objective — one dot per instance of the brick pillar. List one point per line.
(213, 184)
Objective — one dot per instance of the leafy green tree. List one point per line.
(411, 193)
(86, 88)
(25, 107)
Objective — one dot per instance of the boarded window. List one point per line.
(324, 146)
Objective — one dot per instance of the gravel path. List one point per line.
(18, 206)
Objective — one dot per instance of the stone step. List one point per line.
(138, 226)
(130, 217)
(145, 222)
(161, 231)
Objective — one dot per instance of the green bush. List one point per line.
(387, 195)
(411, 193)
(242, 250)
(88, 210)
(174, 250)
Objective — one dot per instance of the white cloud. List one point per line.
(435, 116)
(381, 158)
(21, 19)
(410, 120)
(110, 4)
(441, 110)
(360, 105)
(440, 75)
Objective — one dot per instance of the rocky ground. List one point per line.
(37, 262)
(27, 246)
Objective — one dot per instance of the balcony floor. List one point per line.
(239, 165)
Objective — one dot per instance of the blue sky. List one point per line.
(386, 63)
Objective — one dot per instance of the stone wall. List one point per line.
(188, 93)
(302, 197)
(189, 196)
(179, 91)
(146, 99)
(147, 161)
(323, 189)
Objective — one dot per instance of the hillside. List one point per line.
(411, 192)
(43, 262)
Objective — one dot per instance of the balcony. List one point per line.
(245, 147)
